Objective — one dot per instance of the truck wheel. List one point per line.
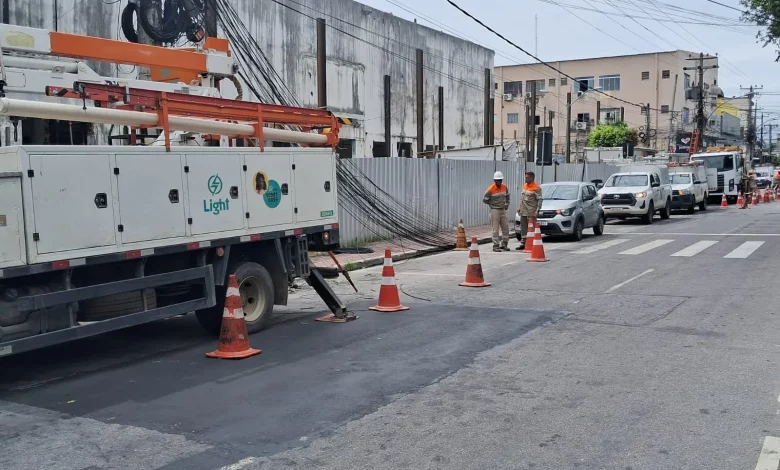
(647, 219)
(667, 211)
(257, 299)
(692, 209)
(703, 203)
(117, 305)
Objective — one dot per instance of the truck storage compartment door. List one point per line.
(72, 201)
(268, 188)
(12, 251)
(315, 185)
(150, 191)
(215, 192)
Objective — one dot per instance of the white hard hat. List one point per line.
(498, 175)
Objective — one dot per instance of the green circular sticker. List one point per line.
(273, 195)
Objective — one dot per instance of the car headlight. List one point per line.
(565, 212)
(684, 192)
(640, 194)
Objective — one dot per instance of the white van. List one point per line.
(638, 191)
(689, 187)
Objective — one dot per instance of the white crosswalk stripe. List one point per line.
(646, 247)
(601, 246)
(744, 250)
(696, 248)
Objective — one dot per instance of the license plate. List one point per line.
(542, 223)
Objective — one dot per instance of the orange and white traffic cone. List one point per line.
(389, 300)
(537, 253)
(777, 194)
(723, 201)
(233, 336)
(740, 200)
(474, 276)
(528, 236)
(461, 244)
(766, 196)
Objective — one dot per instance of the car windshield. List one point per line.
(681, 178)
(559, 192)
(761, 174)
(627, 180)
(719, 162)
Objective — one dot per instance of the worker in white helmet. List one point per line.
(497, 197)
(530, 203)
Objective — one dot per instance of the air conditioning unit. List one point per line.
(508, 96)
(581, 126)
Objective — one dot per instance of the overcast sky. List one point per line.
(562, 35)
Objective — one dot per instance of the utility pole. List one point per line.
(388, 117)
(701, 119)
(598, 112)
(488, 116)
(154, 16)
(322, 80)
(532, 145)
(770, 143)
(750, 136)
(647, 124)
(441, 118)
(420, 103)
(761, 141)
(568, 127)
(671, 116)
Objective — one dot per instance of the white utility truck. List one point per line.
(724, 165)
(689, 186)
(99, 238)
(638, 190)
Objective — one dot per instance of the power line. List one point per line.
(727, 6)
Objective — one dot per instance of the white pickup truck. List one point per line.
(637, 191)
(689, 187)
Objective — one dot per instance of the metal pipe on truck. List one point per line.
(69, 112)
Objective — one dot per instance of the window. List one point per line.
(583, 117)
(551, 82)
(665, 74)
(513, 88)
(610, 115)
(511, 118)
(712, 122)
(529, 85)
(378, 149)
(686, 115)
(564, 81)
(645, 75)
(664, 109)
(404, 149)
(583, 84)
(686, 81)
(609, 82)
(495, 86)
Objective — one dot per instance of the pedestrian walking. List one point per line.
(749, 186)
(530, 205)
(497, 197)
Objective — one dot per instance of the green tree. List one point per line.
(611, 135)
(766, 14)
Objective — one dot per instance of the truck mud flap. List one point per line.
(203, 274)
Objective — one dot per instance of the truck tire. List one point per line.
(647, 219)
(692, 209)
(257, 296)
(118, 305)
(667, 211)
(703, 203)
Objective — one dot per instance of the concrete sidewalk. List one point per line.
(401, 248)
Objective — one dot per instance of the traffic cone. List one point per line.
(474, 276)
(740, 201)
(388, 292)
(537, 255)
(723, 201)
(233, 337)
(777, 194)
(528, 233)
(766, 196)
(461, 244)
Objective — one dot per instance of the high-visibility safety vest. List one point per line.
(497, 197)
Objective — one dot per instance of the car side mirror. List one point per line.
(655, 185)
(697, 182)
(599, 185)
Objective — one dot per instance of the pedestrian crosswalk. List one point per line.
(682, 248)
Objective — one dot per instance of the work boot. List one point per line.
(496, 249)
(505, 248)
(521, 246)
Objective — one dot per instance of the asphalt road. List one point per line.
(650, 347)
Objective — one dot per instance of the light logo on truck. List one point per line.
(215, 206)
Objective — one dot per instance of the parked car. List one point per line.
(638, 191)
(568, 208)
(764, 177)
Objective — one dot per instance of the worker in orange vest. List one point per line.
(497, 197)
(530, 205)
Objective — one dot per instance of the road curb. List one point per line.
(370, 262)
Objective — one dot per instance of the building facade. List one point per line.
(615, 86)
(363, 45)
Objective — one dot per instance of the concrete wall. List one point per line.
(355, 69)
(656, 90)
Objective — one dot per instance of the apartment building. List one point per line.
(598, 86)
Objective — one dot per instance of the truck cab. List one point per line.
(638, 191)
